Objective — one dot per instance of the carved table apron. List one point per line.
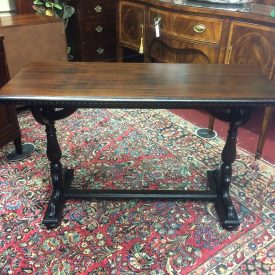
(55, 91)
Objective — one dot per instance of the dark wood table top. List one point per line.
(138, 85)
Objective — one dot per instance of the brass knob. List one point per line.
(99, 29)
(98, 9)
(199, 28)
(100, 50)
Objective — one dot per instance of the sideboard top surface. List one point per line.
(250, 11)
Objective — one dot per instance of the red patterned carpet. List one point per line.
(133, 149)
(248, 134)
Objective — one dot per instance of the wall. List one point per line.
(7, 5)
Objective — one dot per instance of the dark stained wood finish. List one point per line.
(9, 128)
(130, 84)
(24, 6)
(91, 30)
(68, 86)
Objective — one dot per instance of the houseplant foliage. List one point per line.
(58, 8)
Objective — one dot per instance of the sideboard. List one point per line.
(91, 31)
(198, 32)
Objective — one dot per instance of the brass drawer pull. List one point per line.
(100, 50)
(141, 46)
(98, 9)
(199, 28)
(229, 51)
(99, 29)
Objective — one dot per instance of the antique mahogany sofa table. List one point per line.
(55, 91)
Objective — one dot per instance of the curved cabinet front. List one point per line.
(172, 50)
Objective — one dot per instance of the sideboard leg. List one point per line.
(119, 53)
(264, 129)
(18, 145)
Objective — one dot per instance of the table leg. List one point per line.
(222, 176)
(225, 208)
(61, 178)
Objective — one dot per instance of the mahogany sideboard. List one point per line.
(198, 32)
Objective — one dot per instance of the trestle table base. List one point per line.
(219, 180)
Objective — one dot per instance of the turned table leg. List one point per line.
(222, 177)
(225, 208)
(60, 177)
(54, 211)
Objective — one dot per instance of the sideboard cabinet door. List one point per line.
(131, 22)
(251, 44)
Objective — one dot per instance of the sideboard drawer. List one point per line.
(172, 50)
(97, 29)
(91, 29)
(97, 9)
(190, 27)
(99, 51)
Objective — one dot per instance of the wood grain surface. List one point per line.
(70, 81)
(26, 19)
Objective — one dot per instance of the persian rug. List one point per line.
(130, 149)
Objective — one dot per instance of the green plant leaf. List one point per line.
(68, 11)
(38, 2)
(58, 6)
(49, 4)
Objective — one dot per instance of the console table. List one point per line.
(55, 91)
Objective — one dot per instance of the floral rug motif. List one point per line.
(133, 149)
